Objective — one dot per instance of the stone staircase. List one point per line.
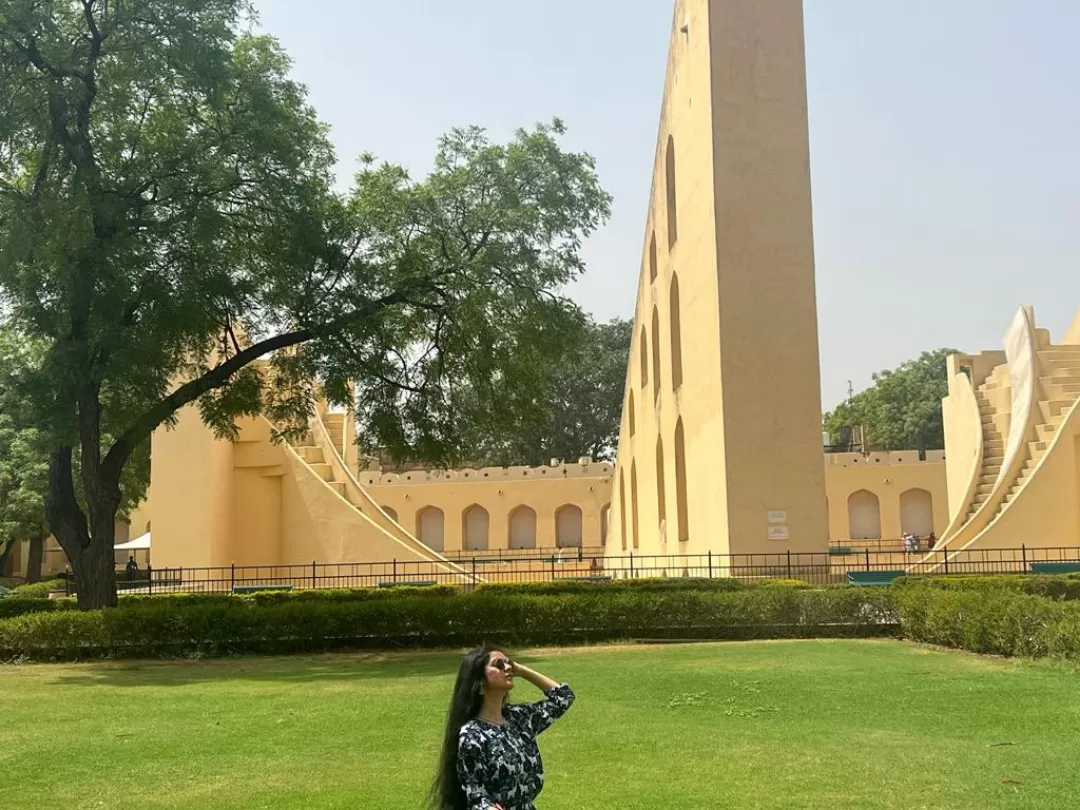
(993, 444)
(313, 452)
(1059, 386)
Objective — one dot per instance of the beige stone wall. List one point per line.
(563, 506)
(910, 495)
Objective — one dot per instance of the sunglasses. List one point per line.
(502, 664)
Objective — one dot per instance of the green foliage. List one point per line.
(574, 409)
(1064, 587)
(38, 590)
(22, 604)
(901, 411)
(167, 213)
(614, 586)
(997, 621)
(285, 623)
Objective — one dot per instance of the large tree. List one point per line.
(900, 411)
(572, 409)
(167, 219)
(24, 460)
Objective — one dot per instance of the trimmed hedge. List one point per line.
(1050, 586)
(274, 623)
(651, 584)
(11, 606)
(38, 590)
(983, 618)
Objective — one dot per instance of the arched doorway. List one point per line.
(917, 512)
(390, 513)
(523, 528)
(475, 528)
(429, 527)
(568, 529)
(864, 516)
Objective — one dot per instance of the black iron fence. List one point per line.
(818, 568)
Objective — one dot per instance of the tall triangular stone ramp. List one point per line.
(720, 447)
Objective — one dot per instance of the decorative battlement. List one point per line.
(585, 468)
(883, 459)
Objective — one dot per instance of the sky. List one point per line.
(945, 142)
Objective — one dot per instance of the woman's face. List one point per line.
(499, 672)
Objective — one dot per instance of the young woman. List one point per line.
(490, 760)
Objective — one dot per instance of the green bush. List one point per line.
(38, 590)
(182, 626)
(990, 618)
(1050, 586)
(561, 586)
(12, 606)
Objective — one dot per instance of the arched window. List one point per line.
(864, 516)
(390, 513)
(655, 352)
(644, 342)
(568, 527)
(675, 319)
(680, 483)
(661, 483)
(475, 528)
(652, 257)
(605, 523)
(631, 414)
(523, 528)
(429, 527)
(633, 503)
(917, 512)
(624, 530)
(672, 213)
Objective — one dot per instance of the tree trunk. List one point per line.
(5, 556)
(88, 545)
(95, 573)
(34, 559)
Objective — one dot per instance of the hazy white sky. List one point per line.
(944, 141)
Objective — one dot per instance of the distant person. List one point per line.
(490, 760)
(132, 567)
(931, 541)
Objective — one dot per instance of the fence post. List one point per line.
(232, 577)
(150, 578)
(945, 553)
(395, 569)
(710, 563)
(474, 571)
(1023, 549)
(313, 580)
(789, 563)
(867, 550)
(552, 567)
(631, 565)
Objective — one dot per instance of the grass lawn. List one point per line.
(801, 725)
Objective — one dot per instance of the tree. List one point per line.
(24, 465)
(574, 408)
(901, 411)
(167, 219)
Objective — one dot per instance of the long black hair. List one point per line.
(465, 704)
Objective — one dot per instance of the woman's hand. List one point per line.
(541, 682)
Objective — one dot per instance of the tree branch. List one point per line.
(220, 375)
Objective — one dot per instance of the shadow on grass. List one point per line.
(278, 669)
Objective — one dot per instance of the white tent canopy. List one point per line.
(142, 542)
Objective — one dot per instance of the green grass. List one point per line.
(807, 725)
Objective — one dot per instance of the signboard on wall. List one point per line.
(779, 533)
(777, 516)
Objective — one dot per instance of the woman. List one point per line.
(490, 760)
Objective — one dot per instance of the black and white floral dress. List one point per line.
(500, 764)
